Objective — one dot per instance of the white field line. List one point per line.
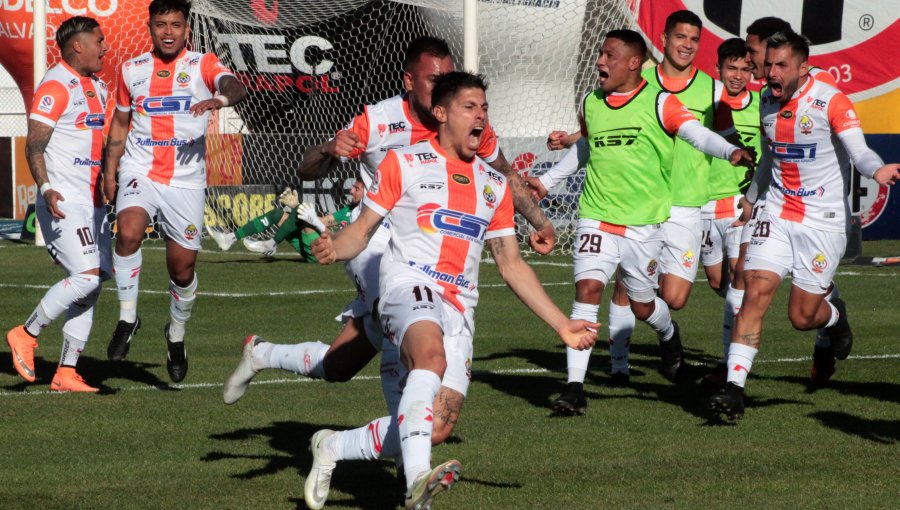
(476, 373)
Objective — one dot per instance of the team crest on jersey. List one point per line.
(819, 263)
(787, 114)
(163, 73)
(433, 219)
(687, 259)
(652, 267)
(460, 179)
(46, 104)
(806, 125)
(183, 79)
(190, 232)
(490, 198)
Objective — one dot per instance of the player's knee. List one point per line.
(677, 302)
(801, 320)
(84, 284)
(128, 243)
(642, 311)
(588, 291)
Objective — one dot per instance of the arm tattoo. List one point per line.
(750, 338)
(449, 405)
(38, 137)
(522, 201)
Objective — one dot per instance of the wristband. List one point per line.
(221, 98)
(45, 187)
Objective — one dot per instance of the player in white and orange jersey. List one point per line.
(394, 123)
(443, 204)
(802, 230)
(64, 151)
(166, 96)
(758, 32)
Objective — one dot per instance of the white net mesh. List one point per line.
(310, 66)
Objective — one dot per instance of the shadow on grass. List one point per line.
(95, 372)
(883, 391)
(540, 389)
(879, 431)
(370, 485)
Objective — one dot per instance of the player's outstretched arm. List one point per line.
(35, 144)
(526, 286)
(115, 148)
(230, 92)
(320, 160)
(350, 241)
(558, 140)
(544, 238)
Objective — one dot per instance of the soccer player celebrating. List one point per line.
(443, 204)
(166, 96)
(295, 223)
(394, 123)
(63, 148)
(802, 230)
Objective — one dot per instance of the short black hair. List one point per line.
(632, 39)
(732, 49)
(72, 27)
(167, 6)
(683, 16)
(797, 43)
(449, 84)
(424, 45)
(763, 28)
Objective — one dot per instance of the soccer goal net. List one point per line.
(310, 67)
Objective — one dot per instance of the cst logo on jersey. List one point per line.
(794, 152)
(87, 120)
(432, 219)
(162, 105)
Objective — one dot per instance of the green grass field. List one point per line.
(146, 444)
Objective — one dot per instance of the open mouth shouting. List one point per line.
(475, 136)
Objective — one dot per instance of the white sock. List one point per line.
(59, 298)
(379, 439)
(835, 315)
(621, 326)
(661, 321)
(303, 358)
(822, 338)
(577, 361)
(740, 361)
(77, 329)
(733, 300)
(127, 271)
(416, 422)
(181, 302)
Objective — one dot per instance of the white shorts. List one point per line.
(719, 239)
(811, 256)
(179, 211)
(79, 242)
(597, 253)
(399, 310)
(681, 243)
(750, 226)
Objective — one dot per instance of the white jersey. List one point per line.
(441, 212)
(73, 105)
(807, 183)
(388, 125)
(166, 142)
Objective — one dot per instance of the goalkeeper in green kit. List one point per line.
(296, 223)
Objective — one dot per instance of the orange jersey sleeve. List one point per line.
(123, 94)
(673, 113)
(211, 69)
(388, 184)
(49, 103)
(360, 126)
(488, 149)
(841, 114)
(504, 216)
(823, 76)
